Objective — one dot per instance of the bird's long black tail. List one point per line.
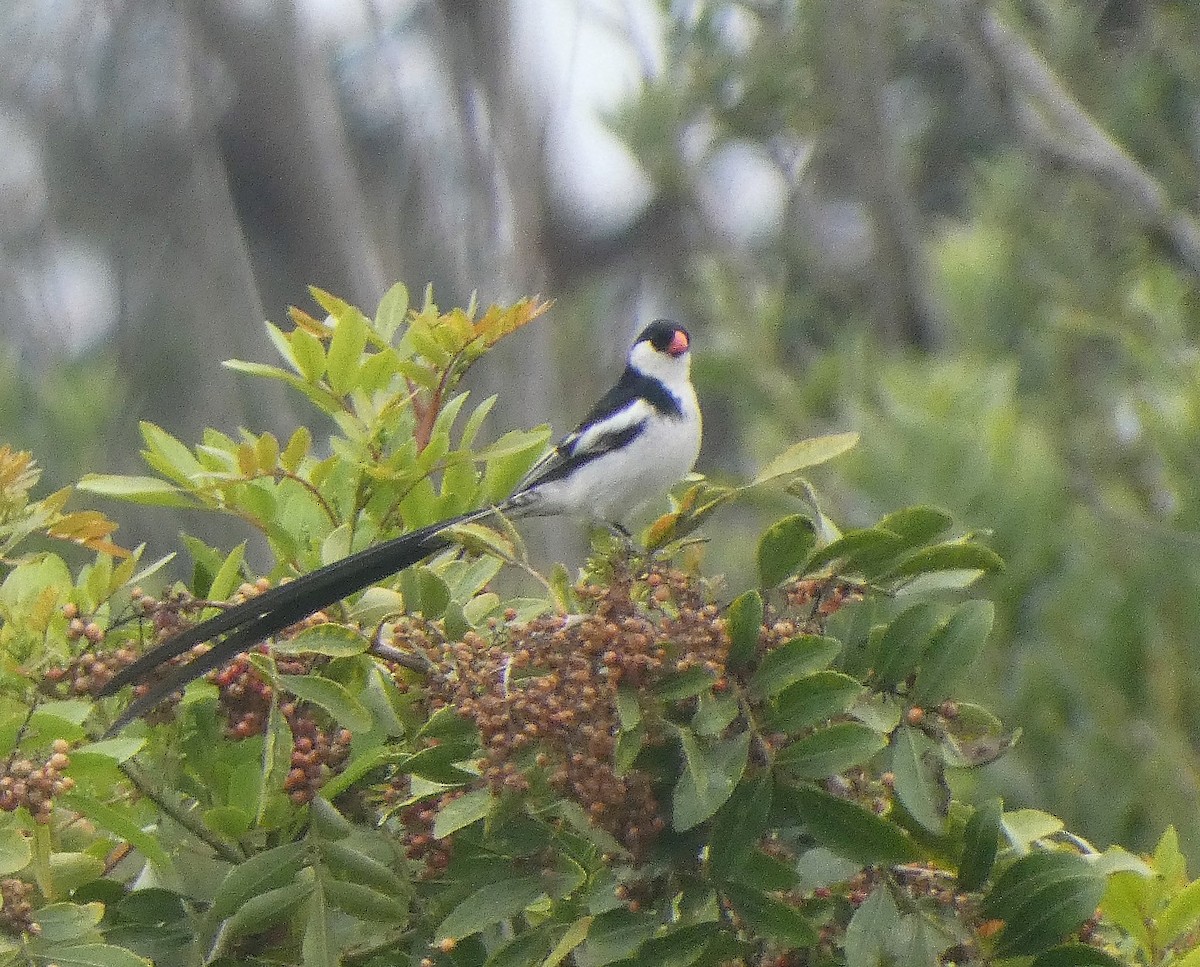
(272, 611)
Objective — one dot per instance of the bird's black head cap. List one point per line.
(667, 337)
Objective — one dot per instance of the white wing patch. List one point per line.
(637, 411)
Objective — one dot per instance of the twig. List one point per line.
(143, 784)
(416, 663)
(1054, 122)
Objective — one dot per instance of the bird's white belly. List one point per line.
(612, 487)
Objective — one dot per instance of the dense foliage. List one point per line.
(980, 258)
(636, 766)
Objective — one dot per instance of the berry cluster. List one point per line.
(16, 907)
(417, 821)
(87, 674)
(24, 784)
(543, 694)
(245, 697)
(821, 597)
(317, 753)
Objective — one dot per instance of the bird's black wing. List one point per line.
(575, 452)
(581, 446)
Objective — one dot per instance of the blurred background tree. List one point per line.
(965, 229)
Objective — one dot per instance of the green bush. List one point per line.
(638, 766)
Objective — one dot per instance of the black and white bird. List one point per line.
(640, 439)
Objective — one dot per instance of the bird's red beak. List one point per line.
(679, 343)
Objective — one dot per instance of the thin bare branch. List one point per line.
(1055, 123)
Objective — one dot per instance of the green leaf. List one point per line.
(615, 936)
(953, 556)
(772, 918)
(829, 751)
(392, 311)
(903, 643)
(936, 582)
(296, 450)
(787, 664)
(264, 910)
(1042, 897)
(461, 812)
(1181, 915)
(261, 873)
(352, 864)
(1117, 859)
(345, 709)
(744, 622)
(1169, 861)
(274, 764)
(846, 828)
(919, 786)
(767, 873)
(446, 725)
(373, 607)
(424, 592)
(326, 822)
(575, 934)
(524, 949)
(813, 699)
(66, 922)
(70, 870)
(438, 763)
(283, 344)
(346, 349)
(701, 944)
(739, 824)
(334, 640)
(710, 774)
(917, 525)
(629, 709)
(229, 575)
(119, 821)
(321, 398)
(489, 906)
(232, 822)
(171, 457)
(629, 747)
(318, 947)
(15, 851)
(308, 353)
(805, 454)
(92, 955)
(859, 551)
(953, 649)
(150, 491)
(1023, 827)
(364, 902)
(509, 459)
(1127, 897)
(152, 905)
(784, 547)
(685, 684)
(981, 841)
(714, 713)
(572, 813)
(870, 931)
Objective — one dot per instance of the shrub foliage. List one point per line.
(637, 766)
